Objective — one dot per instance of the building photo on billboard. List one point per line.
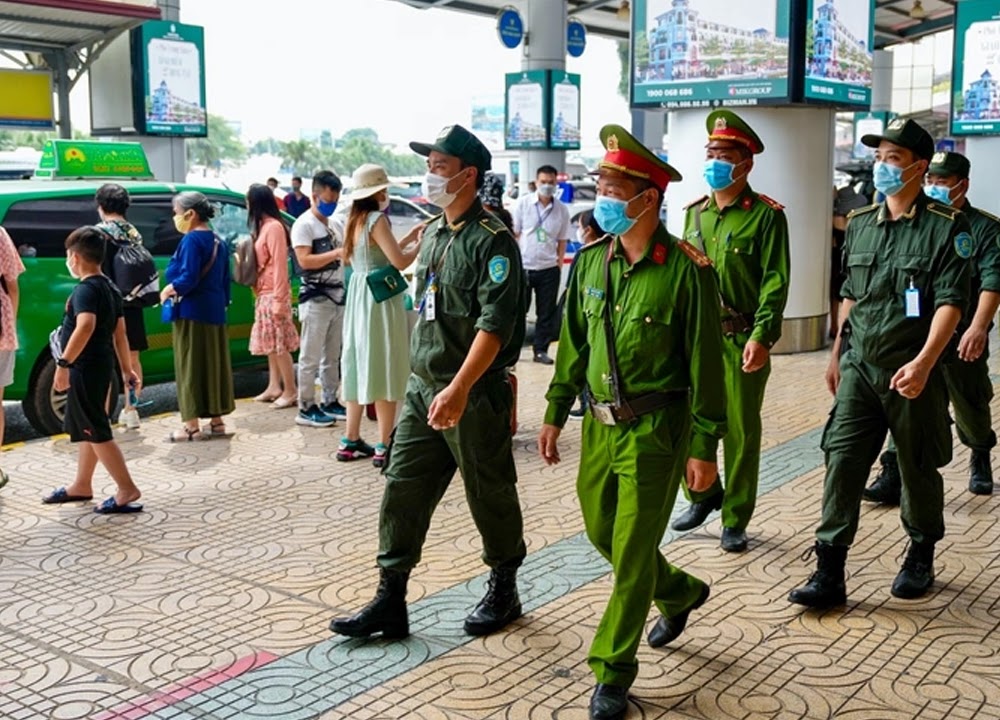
(839, 51)
(171, 75)
(696, 53)
(976, 75)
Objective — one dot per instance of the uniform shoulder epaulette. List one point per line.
(697, 256)
(770, 202)
(862, 210)
(493, 225)
(988, 215)
(691, 204)
(946, 211)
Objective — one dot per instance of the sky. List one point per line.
(342, 64)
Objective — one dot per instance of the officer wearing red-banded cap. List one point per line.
(746, 236)
(641, 333)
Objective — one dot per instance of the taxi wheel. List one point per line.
(45, 409)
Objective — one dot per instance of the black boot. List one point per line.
(499, 606)
(917, 574)
(386, 613)
(609, 702)
(826, 587)
(888, 484)
(697, 513)
(981, 473)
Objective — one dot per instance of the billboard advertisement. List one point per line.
(975, 104)
(26, 99)
(526, 110)
(564, 133)
(839, 37)
(702, 53)
(169, 75)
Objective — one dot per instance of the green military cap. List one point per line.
(907, 134)
(948, 164)
(629, 156)
(458, 142)
(727, 125)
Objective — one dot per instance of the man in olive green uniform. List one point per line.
(967, 375)
(641, 332)
(906, 287)
(746, 236)
(457, 409)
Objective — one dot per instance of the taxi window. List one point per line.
(230, 221)
(154, 219)
(44, 224)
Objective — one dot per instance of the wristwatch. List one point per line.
(64, 363)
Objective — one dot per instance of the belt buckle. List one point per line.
(602, 413)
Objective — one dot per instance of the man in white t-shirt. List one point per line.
(542, 227)
(319, 261)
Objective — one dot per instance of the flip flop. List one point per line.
(59, 496)
(110, 507)
(262, 398)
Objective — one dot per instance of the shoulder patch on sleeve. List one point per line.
(697, 256)
(499, 266)
(945, 211)
(963, 245)
(862, 211)
(691, 204)
(770, 202)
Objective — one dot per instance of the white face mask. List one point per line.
(72, 272)
(434, 189)
(546, 190)
(383, 204)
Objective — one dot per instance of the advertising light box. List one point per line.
(564, 133)
(169, 77)
(26, 99)
(975, 105)
(702, 53)
(526, 110)
(839, 36)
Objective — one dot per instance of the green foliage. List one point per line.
(221, 144)
(355, 148)
(34, 139)
(624, 60)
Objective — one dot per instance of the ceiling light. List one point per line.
(623, 10)
(917, 12)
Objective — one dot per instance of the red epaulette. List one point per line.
(695, 202)
(771, 202)
(697, 256)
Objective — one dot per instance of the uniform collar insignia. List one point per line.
(659, 255)
(612, 143)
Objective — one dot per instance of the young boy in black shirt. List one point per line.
(93, 332)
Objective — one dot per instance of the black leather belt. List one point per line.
(737, 323)
(629, 410)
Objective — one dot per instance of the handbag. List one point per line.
(385, 282)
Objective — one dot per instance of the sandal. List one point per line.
(265, 398)
(214, 429)
(283, 402)
(186, 434)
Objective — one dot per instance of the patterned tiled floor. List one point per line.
(214, 603)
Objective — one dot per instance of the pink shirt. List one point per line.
(10, 267)
(272, 262)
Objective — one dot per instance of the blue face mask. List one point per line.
(610, 215)
(939, 193)
(888, 178)
(326, 209)
(719, 173)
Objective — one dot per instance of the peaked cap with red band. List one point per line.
(727, 125)
(627, 155)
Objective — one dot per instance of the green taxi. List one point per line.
(39, 214)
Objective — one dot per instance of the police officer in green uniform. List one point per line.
(456, 414)
(967, 375)
(641, 332)
(907, 284)
(746, 236)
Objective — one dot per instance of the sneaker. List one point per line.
(130, 418)
(334, 409)
(354, 450)
(313, 417)
(378, 460)
(578, 413)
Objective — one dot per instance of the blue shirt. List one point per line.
(203, 298)
(295, 207)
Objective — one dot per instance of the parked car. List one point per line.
(39, 214)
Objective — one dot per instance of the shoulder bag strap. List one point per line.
(609, 331)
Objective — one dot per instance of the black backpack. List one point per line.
(133, 271)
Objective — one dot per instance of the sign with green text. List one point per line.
(168, 61)
(75, 159)
(975, 103)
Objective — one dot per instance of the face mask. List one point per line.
(580, 237)
(72, 272)
(938, 193)
(610, 214)
(183, 223)
(326, 209)
(888, 178)
(433, 188)
(719, 173)
(296, 188)
(546, 190)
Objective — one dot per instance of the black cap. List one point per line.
(948, 164)
(458, 142)
(907, 134)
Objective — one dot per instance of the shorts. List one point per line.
(7, 367)
(86, 404)
(272, 333)
(135, 329)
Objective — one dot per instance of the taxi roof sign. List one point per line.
(81, 160)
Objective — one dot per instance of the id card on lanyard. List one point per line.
(540, 234)
(428, 303)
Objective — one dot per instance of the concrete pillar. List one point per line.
(882, 81)
(647, 127)
(545, 50)
(984, 176)
(65, 124)
(796, 169)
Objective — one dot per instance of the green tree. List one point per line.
(270, 146)
(810, 43)
(712, 47)
(300, 156)
(359, 133)
(220, 144)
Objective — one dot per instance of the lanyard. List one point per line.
(542, 217)
(432, 267)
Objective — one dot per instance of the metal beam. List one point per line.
(590, 6)
(54, 23)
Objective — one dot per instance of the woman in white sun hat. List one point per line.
(375, 357)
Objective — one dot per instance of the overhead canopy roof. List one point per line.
(43, 25)
(896, 21)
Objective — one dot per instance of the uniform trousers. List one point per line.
(423, 461)
(626, 500)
